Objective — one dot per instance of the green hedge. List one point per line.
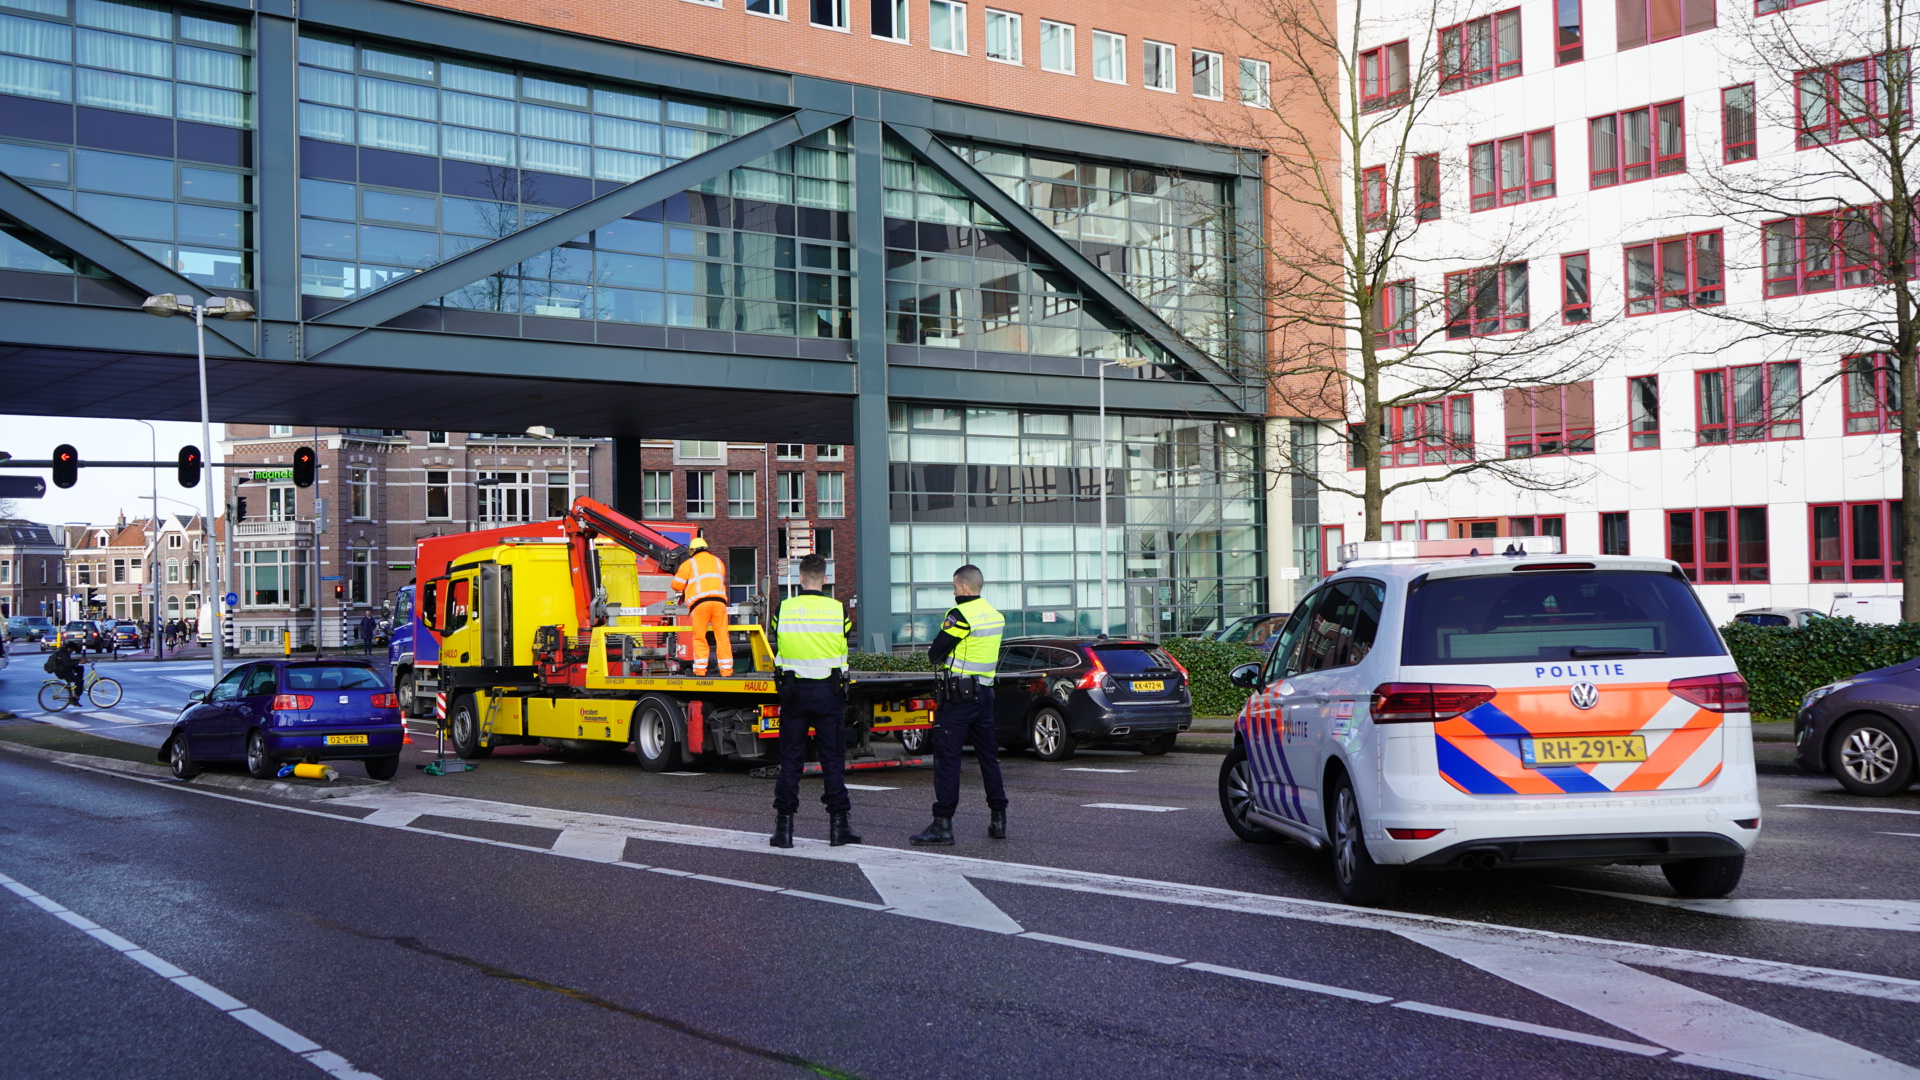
(1782, 663)
(1207, 664)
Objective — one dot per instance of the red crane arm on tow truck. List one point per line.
(589, 518)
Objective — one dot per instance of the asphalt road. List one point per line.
(551, 916)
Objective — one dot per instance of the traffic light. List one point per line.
(66, 466)
(304, 464)
(339, 590)
(189, 466)
(239, 509)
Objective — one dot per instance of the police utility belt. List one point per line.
(955, 688)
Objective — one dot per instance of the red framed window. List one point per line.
(1753, 403)
(1331, 537)
(1638, 144)
(1393, 310)
(1373, 187)
(1554, 525)
(1821, 252)
(1615, 538)
(1856, 541)
(1512, 170)
(1480, 51)
(1737, 124)
(1720, 544)
(1426, 187)
(1489, 300)
(1568, 43)
(1643, 412)
(1675, 274)
(1576, 296)
(1426, 433)
(1550, 420)
(1848, 101)
(1639, 22)
(1872, 393)
(1768, 7)
(1383, 77)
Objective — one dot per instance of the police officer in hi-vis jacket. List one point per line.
(967, 651)
(810, 654)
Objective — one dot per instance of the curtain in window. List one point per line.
(626, 135)
(401, 99)
(487, 147)
(321, 122)
(623, 167)
(330, 87)
(147, 20)
(209, 106)
(210, 67)
(35, 78)
(489, 114)
(563, 124)
(764, 186)
(477, 79)
(33, 37)
(554, 157)
(824, 193)
(393, 133)
(115, 91)
(124, 54)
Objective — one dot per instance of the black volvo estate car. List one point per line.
(1059, 694)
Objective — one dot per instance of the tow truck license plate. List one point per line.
(1542, 753)
(346, 740)
(1147, 686)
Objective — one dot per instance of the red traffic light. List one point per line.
(190, 466)
(339, 591)
(304, 464)
(66, 466)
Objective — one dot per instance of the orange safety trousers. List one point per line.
(710, 616)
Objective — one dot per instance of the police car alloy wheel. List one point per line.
(1236, 799)
(1871, 756)
(1360, 879)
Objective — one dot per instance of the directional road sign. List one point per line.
(232, 599)
(22, 487)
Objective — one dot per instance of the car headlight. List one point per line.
(1819, 692)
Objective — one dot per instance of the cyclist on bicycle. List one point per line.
(69, 662)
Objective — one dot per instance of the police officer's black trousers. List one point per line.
(960, 722)
(812, 702)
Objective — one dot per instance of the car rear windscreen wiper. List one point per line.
(1590, 652)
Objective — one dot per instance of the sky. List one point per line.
(102, 494)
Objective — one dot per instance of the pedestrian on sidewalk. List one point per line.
(367, 629)
(967, 652)
(810, 659)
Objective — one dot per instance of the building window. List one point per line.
(689, 451)
(1383, 77)
(1394, 308)
(1426, 187)
(889, 19)
(1614, 538)
(832, 494)
(1003, 36)
(1858, 541)
(699, 494)
(439, 501)
(1207, 77)
(1641, 21)
(1872, 393)
(1638, 144)
(830, 452)
(280, 504)
(173, 571)
(1769, 7)
(1816, 252)
(1568, 44)
(1514, 170)
(656, 494)
(1550, 420)
(1480, 51)
(1490, 300)
(1755, 403)
(83, 573)
(1719, 545)
(558, 489)
(1576, 298)
(360, 493)
(1056, 47)
(774, 8)
(831, 14)
(437, 438)
(1554, 525)
(1427, 433)
(789, 451)
(947, 26)
(743, 571)
(1737, 126)
(1643, 412)
(790, 495)
(173, 541)
(508, 496)
(742, 495)
(1676, 274)
(6, 571)
(1256, 84)
(1849, 101)
(1156, 66)
(1109, 57)
(119, 607)
(359, 576)
(279, 429)
(1373, 192)
(273, 578)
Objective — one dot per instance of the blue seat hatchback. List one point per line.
(274, 711)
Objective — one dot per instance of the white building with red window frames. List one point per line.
(1770, 472)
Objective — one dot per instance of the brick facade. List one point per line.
(33, 569)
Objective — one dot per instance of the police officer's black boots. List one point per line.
(940, 832)
(782, 831)
(997, 825)
(840, 831)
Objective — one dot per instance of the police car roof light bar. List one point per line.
(1385, 550)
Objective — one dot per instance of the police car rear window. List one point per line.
(1128, 659)
(1514, 618)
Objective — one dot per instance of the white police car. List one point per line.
(1493, 703)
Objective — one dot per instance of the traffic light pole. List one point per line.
(217, 580)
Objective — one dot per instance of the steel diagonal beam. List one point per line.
(108, 252)
(431, 284)
(1067, 257)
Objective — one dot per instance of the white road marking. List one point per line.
(681, 774)
(312, 1052)
(1856, 914)
(1131, 806)
(1900, 834)
(1532, 1029)
(1854, 809)
(941, 896)
(394, 818)
(1082, 768)
(540, 761)
(870, 787)
(1290, 984)
(593, 845)
(1704, 1029)
(1094, 946)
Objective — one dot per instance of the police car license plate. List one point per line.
(1148, 686)
(346, 740)
(1542, 753)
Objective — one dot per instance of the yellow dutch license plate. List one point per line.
(346, 740)
(1147, 686)
(1595, 750)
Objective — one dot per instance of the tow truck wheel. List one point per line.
(653, 738)
(465, 725)
(403, 689)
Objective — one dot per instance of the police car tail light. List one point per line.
(1420, 703)
(1414, 834)
(292, 702)
(1726, 692)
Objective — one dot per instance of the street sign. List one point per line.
(232, 599)
(332, 577)
(22, 487)
(799, 539)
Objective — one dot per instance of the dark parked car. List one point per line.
(1058, 694)
(1863, 729)
(126, 634)
(278, 711)
(1253, 631)
(90, 633)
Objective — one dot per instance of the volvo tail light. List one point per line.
(1420, 703)
(292, 702)
(386, 701)
(1726, 692)
(1095, 677)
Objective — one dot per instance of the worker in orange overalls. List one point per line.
(701, 582)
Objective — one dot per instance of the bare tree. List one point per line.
(1365, 325)
(9, 508)
(1837, 217)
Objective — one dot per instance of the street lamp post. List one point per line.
(153, 522)
(164, 306)
(1106, 571)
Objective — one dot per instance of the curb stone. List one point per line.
(347, 785)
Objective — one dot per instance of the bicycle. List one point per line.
(102, 691)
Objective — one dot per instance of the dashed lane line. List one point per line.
(1083, 768)
(1850, 809)
(292, 1041)
(1144, 808)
